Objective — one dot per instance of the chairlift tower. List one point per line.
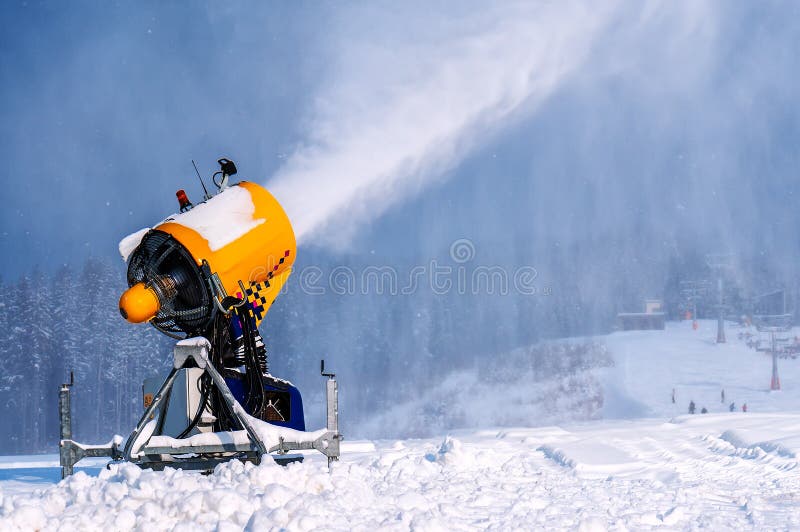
(768, 303)
(775, 383)
(719, 264)
(692, 291)
(773, 325)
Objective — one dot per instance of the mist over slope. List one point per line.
(669, 134)
(622, 375)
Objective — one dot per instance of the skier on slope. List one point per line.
(744, 407)
(732, 407)
(691, 407)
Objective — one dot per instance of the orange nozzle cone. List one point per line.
(139, 303)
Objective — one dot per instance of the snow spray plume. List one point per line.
(405, 102)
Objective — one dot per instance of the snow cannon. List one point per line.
(207, 276)
(239, 243)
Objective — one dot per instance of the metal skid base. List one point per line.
(137, 449)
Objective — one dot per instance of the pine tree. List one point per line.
(18, 375)
(6, 390)
(44, 363)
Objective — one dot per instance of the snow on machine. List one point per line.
(207, 277)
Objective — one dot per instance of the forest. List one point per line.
(387, 347)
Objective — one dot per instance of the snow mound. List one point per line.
(591, 476)
(592, 459)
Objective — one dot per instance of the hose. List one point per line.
(205, 393)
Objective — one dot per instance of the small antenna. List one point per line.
(201, 181)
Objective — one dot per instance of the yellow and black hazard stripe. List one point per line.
(281, 261)
(256, 298)
(257, 293)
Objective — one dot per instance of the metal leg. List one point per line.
(236, 408)
(148, 412)
(70, 452)
(332, 399)
(65, 416)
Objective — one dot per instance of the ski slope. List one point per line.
(649, 364)
(659, 467)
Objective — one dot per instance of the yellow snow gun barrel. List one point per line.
(238, 243)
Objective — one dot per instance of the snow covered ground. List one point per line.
(723, 471)
(659, 467)
(649, 364)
